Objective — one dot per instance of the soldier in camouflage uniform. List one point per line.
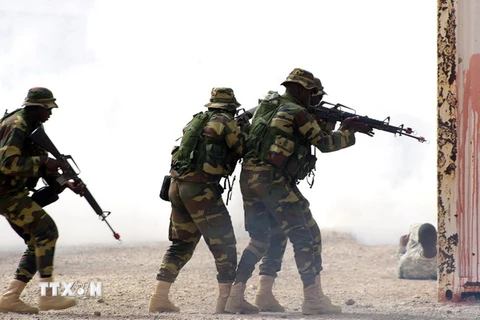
(272, 260)
(418, 253)
(22, 163)
(272, 162)
(211, 146)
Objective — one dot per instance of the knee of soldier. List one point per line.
(258, 230)
(278, 238)
(300, 238)
(180, 246)
(258, 248)
(46, 232)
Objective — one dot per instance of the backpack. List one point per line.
(188, 153)
(261, 137)
(261, 120)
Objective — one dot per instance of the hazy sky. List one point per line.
(128, 75)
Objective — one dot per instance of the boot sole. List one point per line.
(20, 312)
(56, 308)
(320, 312)
(271, 310)
(242, 312)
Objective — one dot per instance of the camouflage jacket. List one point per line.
(293, 126)
(19, 155)
(412, 264)
(220, 134)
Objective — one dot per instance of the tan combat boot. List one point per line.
(264, 299)
(50, 302)
(236, 302)
(316, 302)
(223, 293)
(328, 306)
(10, 300)
(159, 301)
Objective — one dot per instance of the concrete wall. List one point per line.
(458, 148)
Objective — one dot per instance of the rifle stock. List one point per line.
(68, 173)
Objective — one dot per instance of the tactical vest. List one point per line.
(290, 153)
(200, 153)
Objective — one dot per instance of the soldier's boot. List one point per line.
(223, 293)
(316, 302)
(265, 300)
(159, 301)
(329, 307)
(10, 300)
(51, 302)
(236, 302)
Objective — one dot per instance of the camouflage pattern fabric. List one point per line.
(223, 98)
(19, 171)
(37, 229)
(272, 260)
(303, 77)
(39, 96)
(222, 148)
(293, 120)
(270, 199)
(412, 264)
(320, 89)
(198, 208)
(19, 156)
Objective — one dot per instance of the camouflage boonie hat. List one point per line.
(319, 86)
(223, 98)
(39, 96)
(303, 77)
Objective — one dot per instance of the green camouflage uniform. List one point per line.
(268, 189)
(272, 260)
(412, 264)
(20, 170)
(196, 195)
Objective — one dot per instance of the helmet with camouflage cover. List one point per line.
(39, 96)
(303, 77)
(319, 86)
(223, 98)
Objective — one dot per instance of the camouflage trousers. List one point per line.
(198, 210)
(269, 200)
(37, 229)
(272, 260)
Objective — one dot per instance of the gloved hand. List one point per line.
(352, 123)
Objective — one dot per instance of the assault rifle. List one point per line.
(337, 114)
(68, 173)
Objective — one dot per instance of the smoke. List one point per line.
(129, 75)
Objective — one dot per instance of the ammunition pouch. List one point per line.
(45, 196)
(165, 187)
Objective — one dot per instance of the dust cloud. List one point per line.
(127, 80)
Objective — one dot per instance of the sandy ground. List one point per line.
(364, 274)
